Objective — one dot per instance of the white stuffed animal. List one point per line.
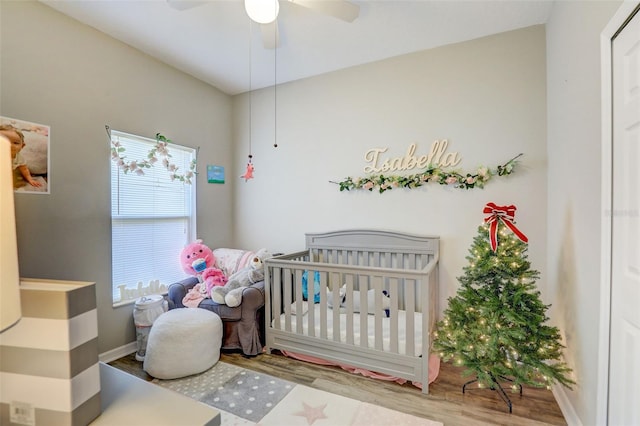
(230, 294)
(371, 300)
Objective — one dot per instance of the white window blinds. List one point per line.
(152, 218)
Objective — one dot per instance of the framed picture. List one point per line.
(29, 154)
(215, 174)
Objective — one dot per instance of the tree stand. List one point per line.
(495, 386)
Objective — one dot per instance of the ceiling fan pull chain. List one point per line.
(275, 92)
(250, 90)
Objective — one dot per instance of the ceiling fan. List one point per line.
(339, 9)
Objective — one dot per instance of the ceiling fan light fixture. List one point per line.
(262, 11)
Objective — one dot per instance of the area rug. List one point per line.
(245, 397)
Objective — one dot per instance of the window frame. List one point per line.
(190, 219)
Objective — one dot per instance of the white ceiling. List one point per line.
(210, 41)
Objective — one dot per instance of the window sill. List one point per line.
(128, 302)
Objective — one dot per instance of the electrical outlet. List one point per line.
(22, 413)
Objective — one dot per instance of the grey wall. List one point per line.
(61, 73)
(574, 181)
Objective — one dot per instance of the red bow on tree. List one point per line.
(505, 214)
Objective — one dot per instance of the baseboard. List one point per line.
(565, 405)
(117, 353)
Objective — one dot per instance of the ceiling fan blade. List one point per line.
(270, 35)
(340, 9)
(184, 4)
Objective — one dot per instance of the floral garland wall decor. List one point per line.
(158, 151)
(437, 165)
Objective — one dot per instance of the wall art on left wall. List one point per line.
(29, 155)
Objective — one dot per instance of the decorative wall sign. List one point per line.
(437, 156)
(434, 164)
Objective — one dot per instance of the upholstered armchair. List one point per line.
(243, 326)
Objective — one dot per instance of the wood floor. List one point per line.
(445, 402)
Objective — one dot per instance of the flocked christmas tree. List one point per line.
(495, 325)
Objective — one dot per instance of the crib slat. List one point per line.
(412, 263)
(375, 259)
(349, 309)
(378, 311)
(393, 315)
(354, 257)
(364, 311)
(323, 305)
(288, 297)
(311, 319)
(298, 300)
(409, 288)
(335, 294)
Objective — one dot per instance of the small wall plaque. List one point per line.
(215, 174)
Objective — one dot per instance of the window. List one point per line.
(152, 219)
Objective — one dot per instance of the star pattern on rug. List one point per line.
(312, 413)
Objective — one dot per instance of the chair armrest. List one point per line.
(253, 298)
(178, 290)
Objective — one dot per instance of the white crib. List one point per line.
(350, 269)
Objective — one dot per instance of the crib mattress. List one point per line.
(386, 327)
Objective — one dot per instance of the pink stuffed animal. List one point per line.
(211, 277)
(197, 259)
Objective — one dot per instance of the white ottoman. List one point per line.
(183, 342)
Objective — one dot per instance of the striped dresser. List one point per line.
(49, 371)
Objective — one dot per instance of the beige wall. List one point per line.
(574, 181)
(486, 96)
(61, 73)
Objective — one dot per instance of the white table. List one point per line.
(129, 400)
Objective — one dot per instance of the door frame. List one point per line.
(618, 20)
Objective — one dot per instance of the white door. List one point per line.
(624, 356)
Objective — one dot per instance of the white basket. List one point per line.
(147, 309)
